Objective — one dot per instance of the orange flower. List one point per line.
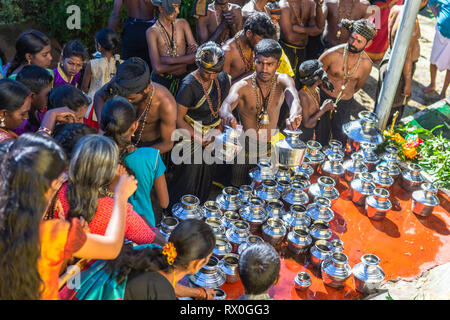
(169, 251)
(410, 152)
(399, 139)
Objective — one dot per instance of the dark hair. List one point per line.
(3, 57)
(31, 42)
(26, 172)
(35, 78)
(12, 95)
(92, 166)
(118, 115)
(260, 24)
(132, 77)
(75, 48)
(268, 48)
(67, 96)
(259, 267)
(193, 239)
(108, 39)
(67, 135)
(275, 5)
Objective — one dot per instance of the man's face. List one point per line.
(253, 39)
(266, 67)
(174, 15)
(222, 4)
(356, 43)
(137, 98)
(207, 75)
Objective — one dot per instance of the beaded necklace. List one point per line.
(145, 114)
(247, 61)
(208, 98)
(314, 95)
(347, 75)
(171, 44)
(261, 111)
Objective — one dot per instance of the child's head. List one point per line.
(39, 81)
(259, 268)
(106, 40)
(70, 97)
(73, 57)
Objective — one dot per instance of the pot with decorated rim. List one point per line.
(210, 275)
(254, 214)
(188, 208)
(229, 199)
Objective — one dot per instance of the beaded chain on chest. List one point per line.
(346, 74)
(343, 14)
(261, 111)
(208, 98)
(314, 95)
(247, 61)
(299, 20)
(145, 114)
(171, 43)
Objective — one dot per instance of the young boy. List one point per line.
(39, 81)
(259, 269)
(73, 58)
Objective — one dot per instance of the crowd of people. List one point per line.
(86, 148)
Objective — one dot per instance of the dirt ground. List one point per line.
(421, 79)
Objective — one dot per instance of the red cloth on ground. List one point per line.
(136, 229)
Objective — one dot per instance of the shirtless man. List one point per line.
(255, 6)
(348, 68)
(299, 20)
(311, 75)
(404, 89)
(239, 50)
(222, 21)
(171, 45)
(336, 10)
(140, 18)
(258, 98)
(155, 106)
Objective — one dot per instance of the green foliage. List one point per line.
(11, 12)
(186, 13)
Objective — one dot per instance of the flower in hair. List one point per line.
(170, 252)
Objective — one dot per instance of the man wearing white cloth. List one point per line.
(440, 54)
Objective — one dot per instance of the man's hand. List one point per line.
(230, 121)
(294, 122)
(229, 17)
(64, 115)
(407, 90)
(328, 105)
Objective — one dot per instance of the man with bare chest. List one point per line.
(239, 50)
(258, 99)
(171, 45)
(336, 10)
(255, 6)
(348, 67)
(222, 21)
(299, 20)
(155, 106)
(140, 18)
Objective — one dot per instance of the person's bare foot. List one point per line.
(428, 89)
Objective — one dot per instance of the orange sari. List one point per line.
(59, 240)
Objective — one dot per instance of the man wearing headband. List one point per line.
(222, 21)
(311, 75)
(258, 99)
(299, 20)
(155, 106)
(336, 10)
(199, 100)
(348, 68)
(404, 88)
(171, 45)
(140, 18)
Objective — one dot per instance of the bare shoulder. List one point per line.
(333, 52)
(285, 80)
(235, 7)
(162, 93)
(229, 46)
(366, 59)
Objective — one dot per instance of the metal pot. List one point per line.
(320, 230)
(264, 170)
(229, 200)
(362, 130)
(219, 294)
(245, 192)
(354, 167)
(412, 179)
(304, 167)
(296, 195)
(254, 214)
(378, 204)
(337, 245)
(302, 281)
(391, 161)
(188, 208)
(284, 185)
(274, 231)
(296, 217)
(238, 234)
(299, 240)
(382, 178)
(290, 150)
(211, 209)
(229, 218)
(367, 274)
(333, 167)
(222, 247)
(424, 200)
(168, 224)
(251, 239)
(283, 172)
(320, 251)
(229, 266)
(320, 210)
(314, 154)
(371, 159)
(210, 275)
(275, 209)
(362, 187)
(324, 188)
(334, 146)
(268, 190)
(336, 270)
(216, 225)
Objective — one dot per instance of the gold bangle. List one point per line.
(45, 130)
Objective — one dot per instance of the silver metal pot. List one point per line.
(362, 187)
(229, 218)
(251, 239)
(336, 270)
(314, 154)
(304, 167)
(371, 159)
(168, 224)
(245, 192)
(378, 204)
(264, 170)
(219, 294)
(290, 150)
(268, 190)
(222, 248)
(296, 195)
(333, 167)
(412, 179)
(216, 225)
(320, 209)
(424, 200)
(254, 214)
(284, 185)
(337, 245)
(210, 275)
(238, 234)
(229, 199)
(334, 146)
(211, 209)
(274, 231)
(382, 178)
(320, 230)
(354, 167)
(302, 281)
(275, 209)
(320, 251)
(229, 266)
(299, 240)
(324, 188)
(362, 130)
(391, 161)
(188, 208)
(283, 173)
(367, 274)
(296, 217)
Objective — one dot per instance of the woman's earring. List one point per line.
(2, 122)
